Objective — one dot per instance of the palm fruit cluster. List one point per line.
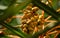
(30, 21)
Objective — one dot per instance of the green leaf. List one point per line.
(13, 22)
(14, 30)
(13, 9)
(2, 7)
(6, 2)
(4, 36)
(52, 35)
(55, 4)
(58, 3)
(8, 32)
(16, 21)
